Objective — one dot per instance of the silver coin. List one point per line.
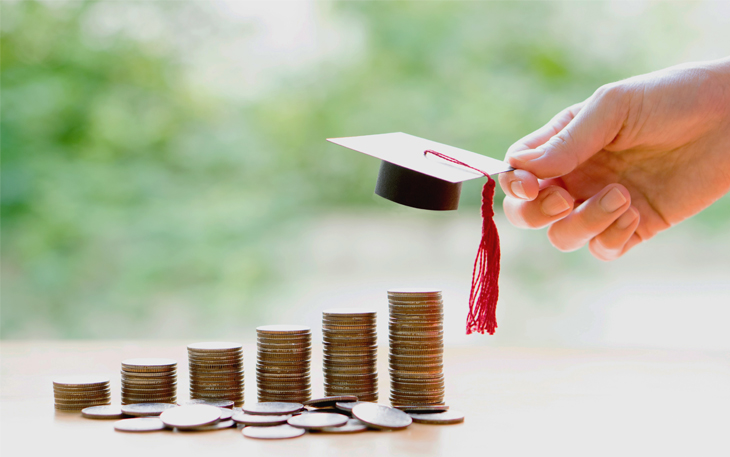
(198, 401)
(139, 424)
(190, 416)
(258, 420)
(214, 346)
(103, 412)
(220, 425)
(272, 408)
(146, 409)
(347, 405)
(317, 420)
(277, 432)
(381, 417)
(444, 418)
(352, 426)
(226, 414)
(283, 329)
(329, 401)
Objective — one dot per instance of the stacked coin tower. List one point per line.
(282, 366)
(77, 393)
(350, 353)
(216, 371)
(149, 380)
(416, 347)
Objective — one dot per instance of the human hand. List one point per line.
(635, 158)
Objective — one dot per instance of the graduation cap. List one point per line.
(425, 174)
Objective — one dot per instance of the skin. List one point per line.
(637, 157)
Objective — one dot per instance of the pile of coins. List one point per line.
(416, 347)
(79, 392)
(149, 380)
(216, 371)
(350, 353)
(282, 365)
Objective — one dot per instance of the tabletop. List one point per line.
(517, 401)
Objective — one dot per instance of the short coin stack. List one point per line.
(282, 365)
(216, 371)
(149, 380)
(416, 347)
(350, 353)
(79, 392)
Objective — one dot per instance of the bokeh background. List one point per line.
(165, 172)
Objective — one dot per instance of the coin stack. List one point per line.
(282, 366)
(350, 353)
(216, 371)
(416, 347)
(149, 380)
(79, 392)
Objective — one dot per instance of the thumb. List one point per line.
(589, 131)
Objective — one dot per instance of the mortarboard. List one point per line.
(425, 174)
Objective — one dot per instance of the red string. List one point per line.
(485, 277)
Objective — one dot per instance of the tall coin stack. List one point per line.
(416, 347)
(282, 365)
(149, 380)
(216, 371)
(350, 353)
(79, 392)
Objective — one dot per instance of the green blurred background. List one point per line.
(165, 171)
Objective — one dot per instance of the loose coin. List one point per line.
(447, 417)
(258, 420)
(277, 432)
(190, 416)
(272, 408)
(102, 412)
(317, 420)
(146, 409)
(381, 417)
(330, 401)
(139, 424)
(352, 426)
(220, 425)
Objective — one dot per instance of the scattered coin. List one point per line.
(103, 412)
(190, 416)
(272, 408)
(347, 405)
(226, 413)
(324, 402)
(139, 424)
(317, 420)
(277, 432)
(258, 420)
(220, 425)
(352, 426)
(146, 409)
(381, 417)
(448, 417)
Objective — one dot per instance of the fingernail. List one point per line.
(613, 200)
(554, 204)
(626, 219)
(517, 189)
(526, 156)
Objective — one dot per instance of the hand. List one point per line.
(636, 158)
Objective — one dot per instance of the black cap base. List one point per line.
(410, 188)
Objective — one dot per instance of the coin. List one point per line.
(146, 409)
(330, 401)
(347, 405)
(423, 408)
(226, 413)
(283, 329)
(190, 416)
(102, 412)
(214, 347)
(81, 382)
(149, 364)
(352, 426)
(217, 403)
(272, 408)
(317, 420)
(277, 432)
(255, 419)
(220, 425)
(139, 424)
(444, 418)
(381, 417)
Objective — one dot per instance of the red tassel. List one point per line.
(485, 277)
